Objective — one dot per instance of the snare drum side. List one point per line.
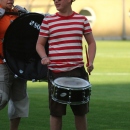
(70, 95)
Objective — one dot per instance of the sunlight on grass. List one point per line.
(37, 84)
(112, 62)
(109, 104)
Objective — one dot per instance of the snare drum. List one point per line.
(19, 47)
(71, 90)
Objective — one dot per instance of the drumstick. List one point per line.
(87, 58)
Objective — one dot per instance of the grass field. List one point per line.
(110, 98)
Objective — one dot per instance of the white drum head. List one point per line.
(71, 82)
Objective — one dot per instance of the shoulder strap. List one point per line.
(12, 13)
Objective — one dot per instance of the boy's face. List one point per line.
(62, 5)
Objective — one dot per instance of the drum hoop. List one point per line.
(70, 103)
(70, 88)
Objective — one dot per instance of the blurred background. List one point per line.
(110, 97)
(109, 19)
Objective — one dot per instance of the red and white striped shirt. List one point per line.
(64, 35)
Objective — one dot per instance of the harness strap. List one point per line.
(12, 13)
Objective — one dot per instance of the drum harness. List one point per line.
(19, 13)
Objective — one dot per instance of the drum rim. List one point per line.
(71, 103)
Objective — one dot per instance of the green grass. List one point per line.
(110, 98)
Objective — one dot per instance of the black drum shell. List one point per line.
(19, 47)
(70, 90)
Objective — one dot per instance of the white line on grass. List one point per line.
(120, 74)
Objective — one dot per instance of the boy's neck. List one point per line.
(66, 13)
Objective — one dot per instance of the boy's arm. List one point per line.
(40, 48)
(91, 50)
